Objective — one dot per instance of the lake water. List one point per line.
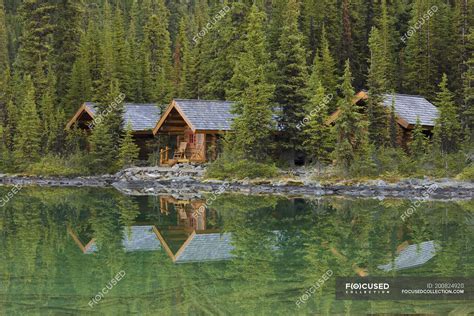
(86, 251)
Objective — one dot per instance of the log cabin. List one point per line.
(194, 129)
(142, 117)
(407, 109)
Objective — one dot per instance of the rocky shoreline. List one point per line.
(188, 180)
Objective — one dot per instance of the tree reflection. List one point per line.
(281, 247)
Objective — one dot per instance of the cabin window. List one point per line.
(192, 138)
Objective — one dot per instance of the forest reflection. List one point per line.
(245, 255)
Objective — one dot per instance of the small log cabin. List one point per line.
(194, 129)
(407, 109)
(142, 117)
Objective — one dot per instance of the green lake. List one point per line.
(238, 255)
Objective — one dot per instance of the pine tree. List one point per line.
(386, 25)
(447, 130)
(3, 151)
(4, 92)
(128, 152)
(180, 58)
(122, 54)
(80, 85)
(467, 110)
(254, 124)
(4, 58)
(52, 119)
(419, 142)
(393, 126)
(112, 113)
(420, 63)
(66, 38)
(324, 71)
(28, 133)
(350, 126)
(290, 92)
(377, 83)
(102, 151)
(319, 141)
(158, 44)
(35, 48)
(221, 47)
(106, 66)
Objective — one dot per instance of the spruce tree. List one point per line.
(4, 58)
(112, 113)
(69, 15)
(80, 85)
(419, 59)
(106, 66)
(324, 71)
(254, 125)
(102, 151)
(447, 130)
(419, 142)
(122, 54)
(319, 141)
(180, 60)
(377, 83)
(158, 44)
(28, 133)
(393, 126)
(350, 126)
(467, 110)
(290, 92)
(386, 25)
(3, 150)
(35, 48)
(128, 152)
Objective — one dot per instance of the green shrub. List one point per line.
(239, 169)
(51, 165)
(467, 174)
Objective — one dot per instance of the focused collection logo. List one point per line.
(367, 288)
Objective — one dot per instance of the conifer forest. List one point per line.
(287, 66)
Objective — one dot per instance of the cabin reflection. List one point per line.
(188, 240)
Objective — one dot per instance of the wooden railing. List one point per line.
(164, 155)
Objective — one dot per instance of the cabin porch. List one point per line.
(189, 147)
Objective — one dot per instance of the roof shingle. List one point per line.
(409, 107)
(142, 117)
(207, 247)
(208, 115)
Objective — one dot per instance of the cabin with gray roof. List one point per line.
(141, 116)
(407, 109)
(193, 129)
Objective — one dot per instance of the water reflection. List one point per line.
(245, 255)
